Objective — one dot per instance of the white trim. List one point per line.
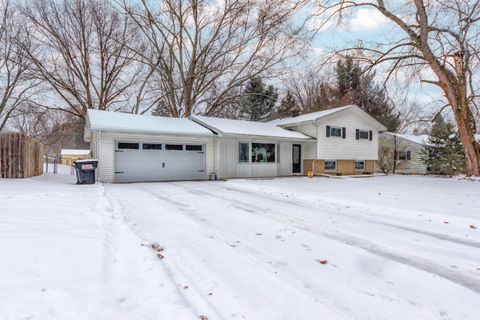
(355, 167)
(329, 170)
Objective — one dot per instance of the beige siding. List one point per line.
(337, 148)
(416, 164)
(103, 144)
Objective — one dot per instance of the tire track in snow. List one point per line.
(198, 304)
(436, 235)
(416, 261)
(208, 226)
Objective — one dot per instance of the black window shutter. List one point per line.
(409, 155)
(370, 134)
(344, 132)
(357, 134)
(328, 131)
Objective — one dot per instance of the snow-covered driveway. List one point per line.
(292, 248)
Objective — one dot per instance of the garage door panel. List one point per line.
(158, 165)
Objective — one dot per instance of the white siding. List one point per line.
(337, 148)
(308, 150)
(230, 167)
(285, 163)
(104, 146)
(308, 129)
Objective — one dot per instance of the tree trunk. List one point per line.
(395, 155)
(466, 130)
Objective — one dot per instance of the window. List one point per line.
(363, 134)
(335, 131)
(404, 155)
(263, 152)
(243, 152)
(152, 146)
(128, 145)
(174, 147)
(330, 165)
(359, 165)
(193, 147)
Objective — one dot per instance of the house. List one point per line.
(409, 151)
(132, 148)
(68, 156)
(346, 140)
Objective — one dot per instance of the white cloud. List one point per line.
(367, 19)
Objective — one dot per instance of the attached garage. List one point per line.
(138, 148)
(157, 161)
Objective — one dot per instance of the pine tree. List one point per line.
(355, 87)
(288, 107)
(444, 152)
(258, 101)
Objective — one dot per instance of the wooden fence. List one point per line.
(20, 156)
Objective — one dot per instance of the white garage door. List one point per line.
(137, 161)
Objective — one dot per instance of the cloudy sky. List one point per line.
(370, 26)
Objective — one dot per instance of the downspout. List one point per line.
(98, 147)
(316, 147)
(217, 160)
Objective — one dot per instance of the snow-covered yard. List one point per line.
(291, 248)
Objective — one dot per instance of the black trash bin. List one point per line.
(85, 170)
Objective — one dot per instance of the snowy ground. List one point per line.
(394, 247)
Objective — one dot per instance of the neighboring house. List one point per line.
(409, 151)
(132, 148)
(70, 155)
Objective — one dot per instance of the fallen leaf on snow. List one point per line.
(473, 227)
(322, 261)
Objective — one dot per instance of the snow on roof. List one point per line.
(420, 139)
(243, 127)
(126, 122)
(309, 116)
(75, 152)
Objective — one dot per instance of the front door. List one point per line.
(296, 158)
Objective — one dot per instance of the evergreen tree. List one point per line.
(288, 107)
(258, 101)
(354, 87)
(444, 152)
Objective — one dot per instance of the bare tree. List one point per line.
(206, 49)
(311, 91)
(16, 84)
(440, 37)
(86, 54)
(388, 159)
